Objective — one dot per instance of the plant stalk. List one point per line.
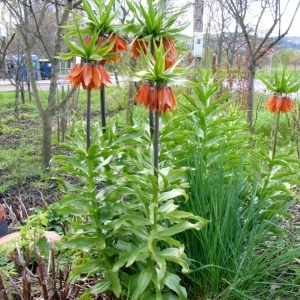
(95, 216)
(275, 134)
(156, 144)
(151, 119)
(88, 120)
(103, 109)
(151, 123)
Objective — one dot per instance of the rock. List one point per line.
(51, 236)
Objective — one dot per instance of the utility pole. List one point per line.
(198, 30)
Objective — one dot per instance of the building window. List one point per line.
(198, 25)
(199, 11)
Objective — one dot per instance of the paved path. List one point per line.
(6, 85)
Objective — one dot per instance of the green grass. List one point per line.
(7, 100)
(24, 160)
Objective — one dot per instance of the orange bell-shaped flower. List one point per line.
(280, 104)
(89, 76)
(158, 99)
(137, 47)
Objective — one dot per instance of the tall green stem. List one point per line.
(275, 134)
(95, 216)
(88, 120)
(151, 119)
(103, 109)
(273, 152)
(156, 144)
(154, 216)
(151, 122)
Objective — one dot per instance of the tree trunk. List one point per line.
(47, 138)
(250, 94)
(17, 96)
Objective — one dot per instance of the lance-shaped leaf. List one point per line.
(182, 226)
(84, 243)
(143, 281)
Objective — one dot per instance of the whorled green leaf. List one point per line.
(160, 271)
(143, 281)
(128, 259)
(176, 256)
(89, 267)
(134, 219)
(273, 210)
(114, 280)
(172, 281)
(84, 243)
(100, 287)
(182, 226)
(172, 194)
(168, 207)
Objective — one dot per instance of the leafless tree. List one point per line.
(29, 24)
(258, 20)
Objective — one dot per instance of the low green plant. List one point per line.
(125, 229)
(52, 221)
(263, 128)
(18, 165)
(9, 118)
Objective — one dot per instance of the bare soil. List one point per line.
(31, 191)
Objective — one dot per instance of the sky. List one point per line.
(291, 7)
(295, 29)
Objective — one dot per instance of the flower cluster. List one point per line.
(137, 47)
(119, 45)
(280, 104)
(99, 42)
(90, 76)
(158, 99)
(169, 48)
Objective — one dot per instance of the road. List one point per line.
(5, 85)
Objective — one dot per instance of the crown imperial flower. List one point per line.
(137, 47)
(280, 104)
(158, 99)
(89, 76)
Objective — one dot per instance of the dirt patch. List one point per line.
(22, 137)
(33, 192)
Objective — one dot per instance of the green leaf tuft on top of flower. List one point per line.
(152, 22)
(157, 69)
(283, 81)
(100, 28)
(154, 92)
(88, 49)
(94, 53)
(100, 17)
